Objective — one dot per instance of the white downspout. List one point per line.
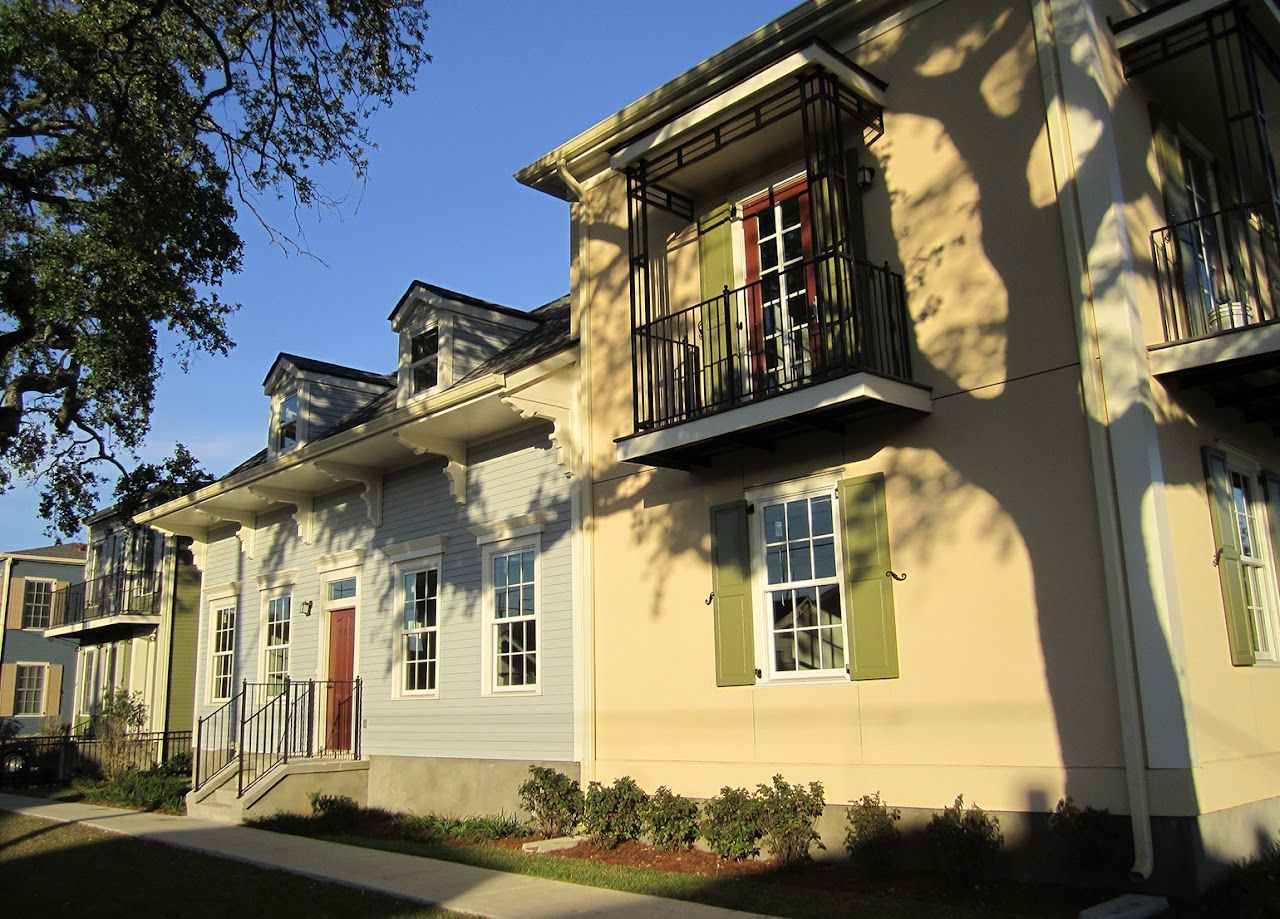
(1092, 386)
(583, 494)
(4, 610)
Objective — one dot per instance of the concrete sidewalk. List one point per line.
(478, 891)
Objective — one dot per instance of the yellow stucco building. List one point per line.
(927, 403)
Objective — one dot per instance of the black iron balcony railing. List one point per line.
(1217, 272)
(815, 321)
(124, 593)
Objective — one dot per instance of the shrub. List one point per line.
(554, 800)
(612, 814)
(670, 820)
(121, 714)
(334, 813)
(1087, 833)
(731, 823)
(963, 843)
(871, 836)
(468, 829)
(148, 791)
(787, 815)
(178, 765)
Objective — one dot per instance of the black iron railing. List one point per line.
(1217, 272)
(266, 724)
(124, 593)
(817, 320)
(33, 759)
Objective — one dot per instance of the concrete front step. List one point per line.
(285, 787)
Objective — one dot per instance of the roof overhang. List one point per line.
(440, 425)
(1171, 29)
(751, 89)
(104, 622)
(590, 151)
(43, 559)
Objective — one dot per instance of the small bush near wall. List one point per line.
(787, 816)
(1087, 834)
(334, 813)
(553, 799)
(671, 820)
(871, 835)
(731, 823)
(612, 815)
(152, 790)
(962, 843)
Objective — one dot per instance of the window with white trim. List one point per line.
(802, 596)
(512, 607)
(424, 360)
(28, 697)
(276, 640)
(37, 604)
(286, 422)
(222, 662)
(419, 635)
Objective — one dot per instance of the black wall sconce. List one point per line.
(865, 176)
(306, 606)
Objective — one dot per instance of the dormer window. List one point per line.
(424, 360)
(286, 428)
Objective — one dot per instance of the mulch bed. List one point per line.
(694, 861)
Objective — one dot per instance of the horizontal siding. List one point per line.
(510, 477)
(329, 403)
(474, 342)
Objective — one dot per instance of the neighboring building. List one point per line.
(387, 596)
(36, 674)
(929, 391)
(134, 620)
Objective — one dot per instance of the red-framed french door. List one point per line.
(784, 338)
(339, 701)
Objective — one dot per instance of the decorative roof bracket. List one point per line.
(454, 452)
(371, 479)
(302, 502)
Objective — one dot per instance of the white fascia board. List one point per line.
(1251, 341)
(1169, 19)
(854, 388)
(43, 559)
(421, 297)
(748, 88)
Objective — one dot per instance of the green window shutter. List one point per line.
(869, 619)
(1230, 570)
(731, 581)
(719, 319)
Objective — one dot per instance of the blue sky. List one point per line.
(509, 81)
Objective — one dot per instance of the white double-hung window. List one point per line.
(222, 660)
(37, 604)
(28, 696)
(276, 644)
(420, 649)
(513, 611)
(802, 596)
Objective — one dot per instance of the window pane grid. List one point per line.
(515, 634)
(806, 618)
(29, 690)
(421, 642)
(424, 359)
(1254, 564)
(37, 605)
(277, 644)
(224, 642)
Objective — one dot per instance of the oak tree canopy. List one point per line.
(130, 134)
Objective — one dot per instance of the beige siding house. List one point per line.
(388, 605)
(928, 404)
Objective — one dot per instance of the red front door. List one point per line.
(340, 688)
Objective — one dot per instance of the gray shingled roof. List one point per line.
(71, 550)
(334, 370)
(551, 335)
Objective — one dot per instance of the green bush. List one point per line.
(121, 715)
(334, 813)
(178, 765)
(871, 835)
(731, 823)
(1087, 833)
(149, 791)
(787, 816)
(612, 814)
(963, 843)
(554, 800)
(670, 820)
(467, 829)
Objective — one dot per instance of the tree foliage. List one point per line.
(130, 132)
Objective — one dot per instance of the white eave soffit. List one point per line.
(752, 86)
(1137, 32)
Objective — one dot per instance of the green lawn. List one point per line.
(59, 869)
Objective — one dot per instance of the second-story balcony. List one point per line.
(797, 332)
(117, 598)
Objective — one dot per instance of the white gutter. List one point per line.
(583, 494)
(1093, 391)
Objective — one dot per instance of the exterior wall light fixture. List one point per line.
(865, 176)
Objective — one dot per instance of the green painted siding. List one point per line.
(182, 649)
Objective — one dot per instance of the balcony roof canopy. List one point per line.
(1172, 29)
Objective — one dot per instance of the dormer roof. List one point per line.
(324, 368)
(442, 297)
